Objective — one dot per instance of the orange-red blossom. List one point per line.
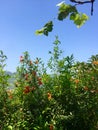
(28, 89)
(92, 90)
(39, 81)
(95, 62)
(10, 95)
(49, 96)
(51, 127)
(21, 59)
(76, 81)
(86, 88)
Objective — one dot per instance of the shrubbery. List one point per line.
(61, 96)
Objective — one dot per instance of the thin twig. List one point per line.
(84, 2)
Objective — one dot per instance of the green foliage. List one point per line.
(48, 27)
(65, 11)
(3, 76)
(65, 99)
(79, 19)
(68, 10)
(55, 54)
(4, 101)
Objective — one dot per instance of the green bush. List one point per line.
(61, 96)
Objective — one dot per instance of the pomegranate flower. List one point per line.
(76, 81)
(21, 58)
(49, 96)
(26, 90)
(95, 62)
(39, 81)
(51, 127)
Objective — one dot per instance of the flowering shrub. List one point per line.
(64, 99)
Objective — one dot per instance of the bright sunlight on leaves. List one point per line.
(79, 19)
(46, 29)
(64, 11)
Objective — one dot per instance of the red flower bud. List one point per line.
(39, 81)
(51, 127)
(49, 96)
(26, 90)
(21, 59)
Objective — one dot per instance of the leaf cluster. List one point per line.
(64, 11)
(69, 10)
(46, 29)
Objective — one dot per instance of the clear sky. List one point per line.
(20, 18)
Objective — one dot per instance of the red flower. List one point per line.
(26, 90)
(76, 81)
(10, 96)
(21, 59)
(49, 96)
(86, 88)
(39, 81)
(51, 127)
(95, 62)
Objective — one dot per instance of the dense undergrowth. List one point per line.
(61, 96)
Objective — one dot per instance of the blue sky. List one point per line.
(20, 18)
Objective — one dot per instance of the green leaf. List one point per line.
(39, 32)
(63, 15)
(65, 10)
(10, 127)
(79, 19)
(73, 16)
(48, 27)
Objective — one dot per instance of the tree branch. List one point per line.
(85, 2)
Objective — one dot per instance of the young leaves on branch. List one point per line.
(64, 11)
(69, 10)
(79, 19)
(46, 29)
